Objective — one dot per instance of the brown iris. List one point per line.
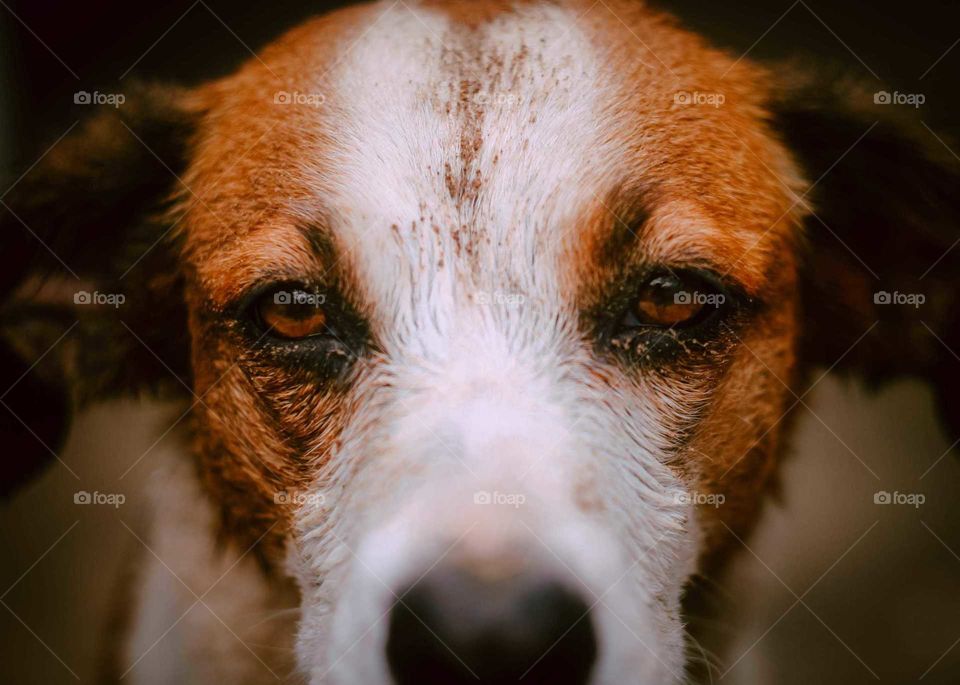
(668, 301)
(292, 314)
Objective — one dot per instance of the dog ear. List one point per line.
(879, 287)
(90, 300)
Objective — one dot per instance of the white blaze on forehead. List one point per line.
(462, 158)
(461, 161)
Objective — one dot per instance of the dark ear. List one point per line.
(883, 233)
(88, 268)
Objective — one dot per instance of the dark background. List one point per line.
(99, 41)
(895, 599)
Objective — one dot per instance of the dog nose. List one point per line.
(456, 626)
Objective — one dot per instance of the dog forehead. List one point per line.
(419, 138)
(485, 141)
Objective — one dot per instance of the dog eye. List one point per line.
(670, 300)
(292, 313)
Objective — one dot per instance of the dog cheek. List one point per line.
(732, 455)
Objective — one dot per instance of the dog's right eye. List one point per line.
(291, 313)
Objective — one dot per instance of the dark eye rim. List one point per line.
(257, 314)
(703, 282)
(249, 308)
(344, 328)
(621, 305)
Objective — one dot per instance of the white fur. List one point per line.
(203, 613)
(478, 389)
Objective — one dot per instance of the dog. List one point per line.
(489, 320)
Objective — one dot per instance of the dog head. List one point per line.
(491, 316)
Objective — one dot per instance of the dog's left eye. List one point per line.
(291, 313)
(672, 300)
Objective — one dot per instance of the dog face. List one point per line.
(493, 316)
(500, 319)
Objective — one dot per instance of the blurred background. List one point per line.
(833, 588)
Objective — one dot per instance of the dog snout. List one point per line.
(458, 625)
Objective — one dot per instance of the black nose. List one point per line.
(455, 627)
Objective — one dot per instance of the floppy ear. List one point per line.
(883, 232)
(89, 267)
